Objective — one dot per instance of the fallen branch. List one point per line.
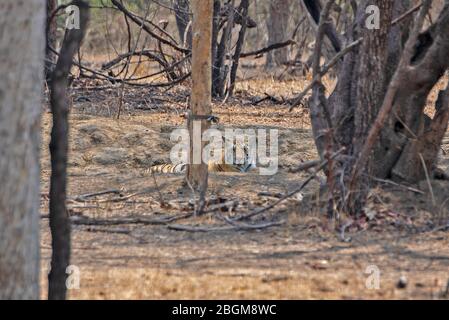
(305, 166)
(291, 193)
(397, 185)
(87, 221)
(234, 226)
(268, 97)
(83, 197)
(108, 230)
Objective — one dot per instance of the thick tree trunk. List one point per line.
(277, 25)
(371, 76)
(21, 66)
(409, 133)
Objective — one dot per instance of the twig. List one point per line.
(325, 69)
(77, 220)
(268, 97)
(270, 194)
(99, 75)
(233, 226)
(180, 227)
(305, 166)
(122, 88)
(296, 100)
(397, 185)
(108, 230)
(429, 184)
(269, 48)
(83, 197)
(139, 21)
(161, 198)
(291, 193)
(406, 14)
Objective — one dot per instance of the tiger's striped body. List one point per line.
(212, 167)
(222, 166)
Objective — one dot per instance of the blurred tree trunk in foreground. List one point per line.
(21, 66)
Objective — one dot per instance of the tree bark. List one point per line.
(21, 66)
(59, 219)
(183, 21)
(51, 37)
(221, 68)
(197, 173)
(243, 12)
(377, 106)
(277, 26)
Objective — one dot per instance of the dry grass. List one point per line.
(300, 260)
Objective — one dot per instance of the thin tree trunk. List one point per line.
(215, 32)
(182, 12)
(50, 56)
(277, 25)
(197, 173)
(221, 68)
(21, 66)
(244, 6)
(59, 219)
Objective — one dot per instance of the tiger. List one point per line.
(222, 166)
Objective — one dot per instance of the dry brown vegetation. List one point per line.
(302, 258)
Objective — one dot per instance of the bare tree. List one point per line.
(21, 65)
(376, 111)
(277, 25)
(59, 219)
(51, 36)
(183, 21)
(201, 105)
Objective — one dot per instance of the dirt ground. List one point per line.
(125, 245)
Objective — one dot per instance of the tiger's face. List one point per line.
(231, 156)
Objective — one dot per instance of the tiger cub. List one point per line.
(222, 166)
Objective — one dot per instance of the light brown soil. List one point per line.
(301, 259)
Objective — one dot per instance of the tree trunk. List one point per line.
(21, 66)
(221, 67)
(59, 219)
(277, 25)
(50, 57)
(243, 13)
(197, 173)
(182, 12)
(377, 106)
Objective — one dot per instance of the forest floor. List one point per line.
(125, 241)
